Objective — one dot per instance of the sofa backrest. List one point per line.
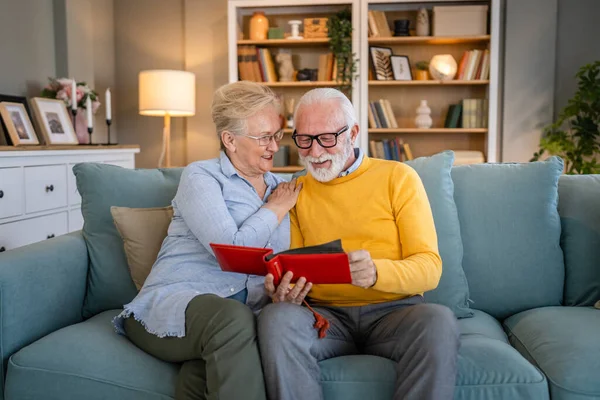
(101, 186)
(579, 209)
(510, 230)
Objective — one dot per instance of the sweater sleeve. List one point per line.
(420, 268)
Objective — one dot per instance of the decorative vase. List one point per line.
(423, 119)
(295, 24)
(422, 28)
(259, 26)
(421, 75)
(83, 137)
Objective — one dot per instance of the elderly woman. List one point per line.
(189, 311)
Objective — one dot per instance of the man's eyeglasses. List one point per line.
(326, 140)
(266, 140)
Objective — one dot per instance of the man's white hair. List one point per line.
(321, 95)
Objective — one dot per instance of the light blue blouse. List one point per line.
(213, 204)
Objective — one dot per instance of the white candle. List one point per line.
(107, 99)
(73, 95)
(88, 106)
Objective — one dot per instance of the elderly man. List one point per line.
(381, 212)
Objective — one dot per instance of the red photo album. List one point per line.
(326, 263)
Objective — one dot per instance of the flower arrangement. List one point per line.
(60, 88)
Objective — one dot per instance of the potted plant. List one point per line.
(575, 136)
(422, 71)
(339, 30)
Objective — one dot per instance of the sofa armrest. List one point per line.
(42, 287)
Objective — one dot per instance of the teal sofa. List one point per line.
(521, 251)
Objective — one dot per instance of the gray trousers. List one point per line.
(422, 339)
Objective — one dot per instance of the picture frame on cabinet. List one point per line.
(4, 137)
(54, 121)
(401, 68)
(17, 124)
(381, 63)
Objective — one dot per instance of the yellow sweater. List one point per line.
(381, 207)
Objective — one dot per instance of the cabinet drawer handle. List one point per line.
(1, 194)
(50, 188)
(50, 236)
(2, 249)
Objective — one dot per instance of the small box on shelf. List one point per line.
(459, 20)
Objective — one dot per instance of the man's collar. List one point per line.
(358, 153)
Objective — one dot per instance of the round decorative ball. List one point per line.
(442, 67)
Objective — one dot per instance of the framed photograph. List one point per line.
(4, 137)
(17, 124)
(54, 121)
(401, 68)
(380, 60)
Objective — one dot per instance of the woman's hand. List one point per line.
(284, 292)
(283, 198)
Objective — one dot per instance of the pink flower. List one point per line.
(80, 94)
(63, 95)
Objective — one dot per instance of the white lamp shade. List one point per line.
(442, 67)
(164, 91)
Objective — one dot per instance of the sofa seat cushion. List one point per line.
(88, 361)
(488, 368)
(564, 342)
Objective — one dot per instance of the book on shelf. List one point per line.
(322, 264)
(381, 115)
(394, 149)
(378, 24)
(256, 64)
(474, 65)
(453, 117)
(475, 113)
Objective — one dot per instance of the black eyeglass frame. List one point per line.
(318, 138)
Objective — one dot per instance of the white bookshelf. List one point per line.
(487, 140)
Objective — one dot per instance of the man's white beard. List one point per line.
(338, 161)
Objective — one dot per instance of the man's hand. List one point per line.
(362, 269)
(284, 292)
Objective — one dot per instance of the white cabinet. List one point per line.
(38, 192)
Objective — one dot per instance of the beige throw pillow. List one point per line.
(143, 231)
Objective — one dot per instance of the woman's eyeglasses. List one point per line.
(325, 140)
(266, 140)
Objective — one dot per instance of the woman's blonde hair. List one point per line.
(235, 102)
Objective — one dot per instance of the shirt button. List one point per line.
(231, 290)
(268, 243)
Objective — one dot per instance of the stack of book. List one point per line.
(468, 114)
(256, 64)
(378, 24)
(327, 68)
(381, 115)
(474, 65)
(390, 149)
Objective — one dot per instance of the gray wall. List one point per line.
(528, 79)
(149, 34)
(577, 44)
(27, 46)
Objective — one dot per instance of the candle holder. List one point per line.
(108, 123)
(90, 131)
(73, 117)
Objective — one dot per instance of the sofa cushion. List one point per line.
(579, 209)
(564, 342)
(143, 231)
(453, 290)
(102, 186)
(511, 234)
(88, 361)
(488, 368)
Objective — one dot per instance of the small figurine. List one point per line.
(286, 68)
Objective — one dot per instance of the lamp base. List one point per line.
(165, 155)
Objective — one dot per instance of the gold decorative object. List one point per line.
(315, 28)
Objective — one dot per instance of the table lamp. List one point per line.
(442, 67)
(167, 93)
